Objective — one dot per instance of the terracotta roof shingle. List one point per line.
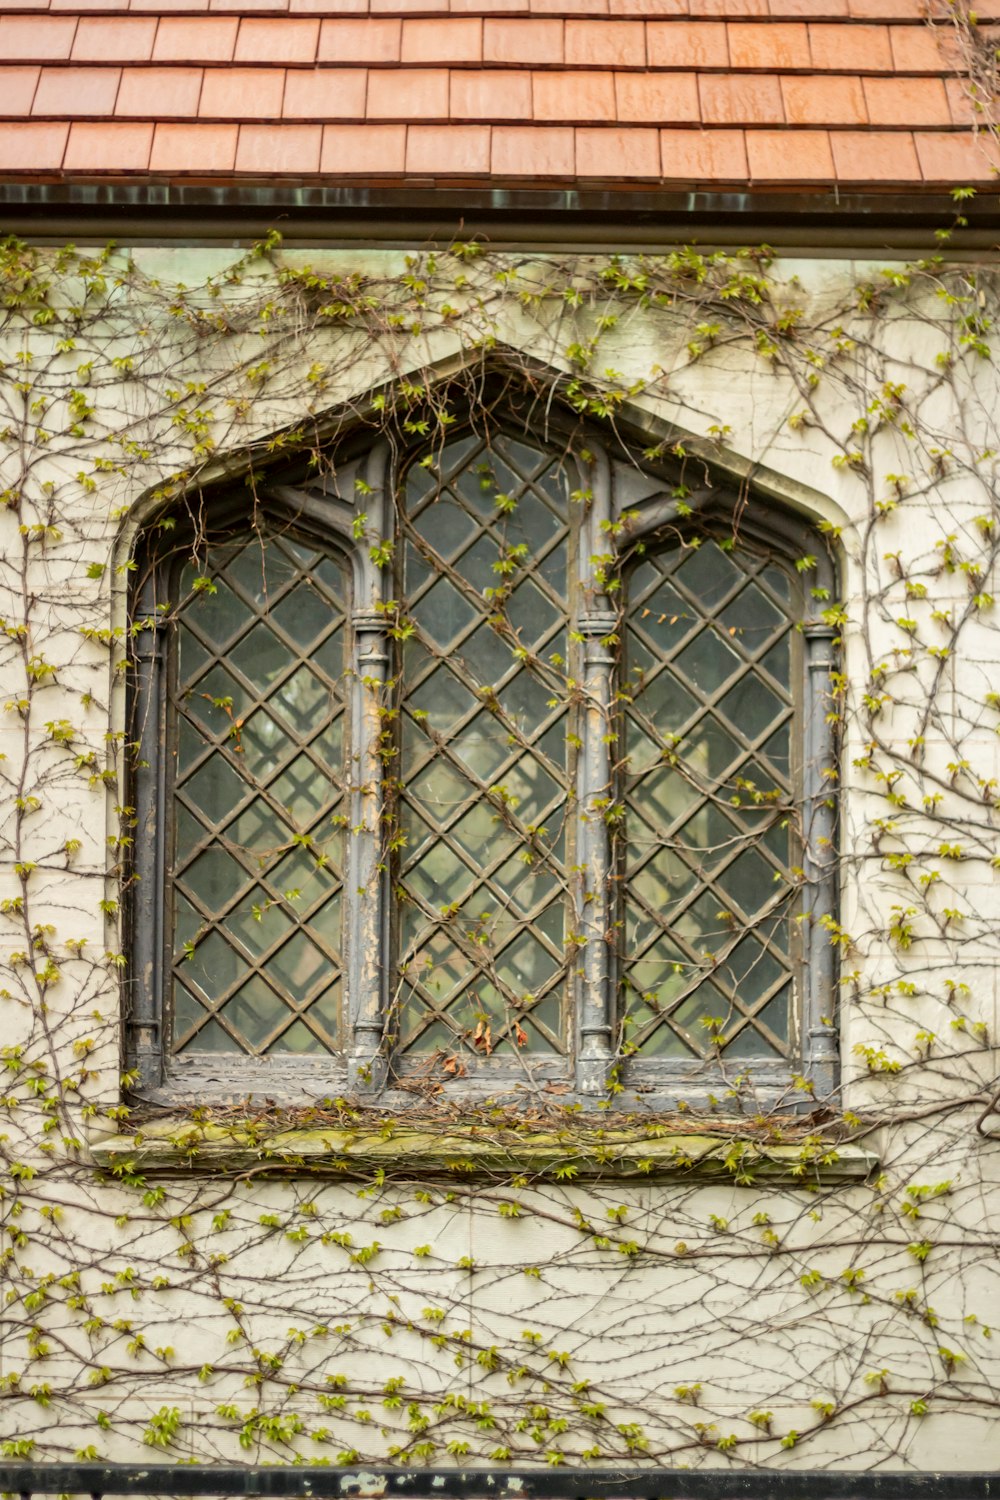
(678, 92)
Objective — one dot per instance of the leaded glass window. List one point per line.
(476, 764)
(256, 702)
(487, 757)
(711, 659)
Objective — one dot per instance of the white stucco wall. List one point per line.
(257, 1286)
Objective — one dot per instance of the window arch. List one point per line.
(501, 767)
(243, 724)
(711, 759)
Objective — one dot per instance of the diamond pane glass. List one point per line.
(487, 771)
(257, 841)
(706, 926)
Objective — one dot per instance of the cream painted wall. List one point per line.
(713, 1296)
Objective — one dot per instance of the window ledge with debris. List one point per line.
(463, 1149)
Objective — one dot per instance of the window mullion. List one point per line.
(819, 1038)
(595, 798)
(597, 623)
(366, 880)
(146, 1020)
(365, 884)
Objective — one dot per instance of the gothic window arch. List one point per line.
(492, 768)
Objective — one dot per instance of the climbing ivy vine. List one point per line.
(296, 1308)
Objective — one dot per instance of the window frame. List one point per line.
(780, 530)
(328, 509)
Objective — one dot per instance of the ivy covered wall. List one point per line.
(808, 1283)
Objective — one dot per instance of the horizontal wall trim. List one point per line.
(147, 211)
(414, 1151)
(564, 1483)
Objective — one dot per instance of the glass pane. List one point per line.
(255, 1011)
(325, 1012)
(443, 613)
(444, 526)
(263, 743)
(664, 619)
(484, 747)
(526, 703)
(302, 790)
(751, 971)
(188, 922)
(441, 699)
(751, 707)
(261, 657)
(709, 750)
(216, 789)
(300, 699)
(482, 833)
(257, 831)
(304, 614)
(526, 966)
(214, 1038)
(216, 701)
(708, 662)
(710, 836)
(187, 1012)
(777, 660)
(774, 1015)
(751, 619)
(478, 565)
(532, 613)
(213, 967)
(191, 654)
(709, 574)
(302, 878)
(663, 881)
(213, 610)
(262, 570)
(439, 791)
(258, 922)
(474, 944)
(703, 1012)
(297, 966)
(214, 878)
(486, 656)
(664, 702)
(261, 762)
(750, 1043)
(749, 882)
(440, 878)
(297, 1039)
(535, 521)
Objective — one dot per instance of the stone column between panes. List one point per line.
(819, 1039)
(365, 864)
(595, 799)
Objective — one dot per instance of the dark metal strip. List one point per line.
(470, 1484)
(154, 211)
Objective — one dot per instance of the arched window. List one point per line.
(499, 768)
(711, 750)
(488, 755)
(247, 727)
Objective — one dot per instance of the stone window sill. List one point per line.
(406, 1151)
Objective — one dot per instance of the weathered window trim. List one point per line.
(329, 508)
(457, 1152)
(653, 507)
